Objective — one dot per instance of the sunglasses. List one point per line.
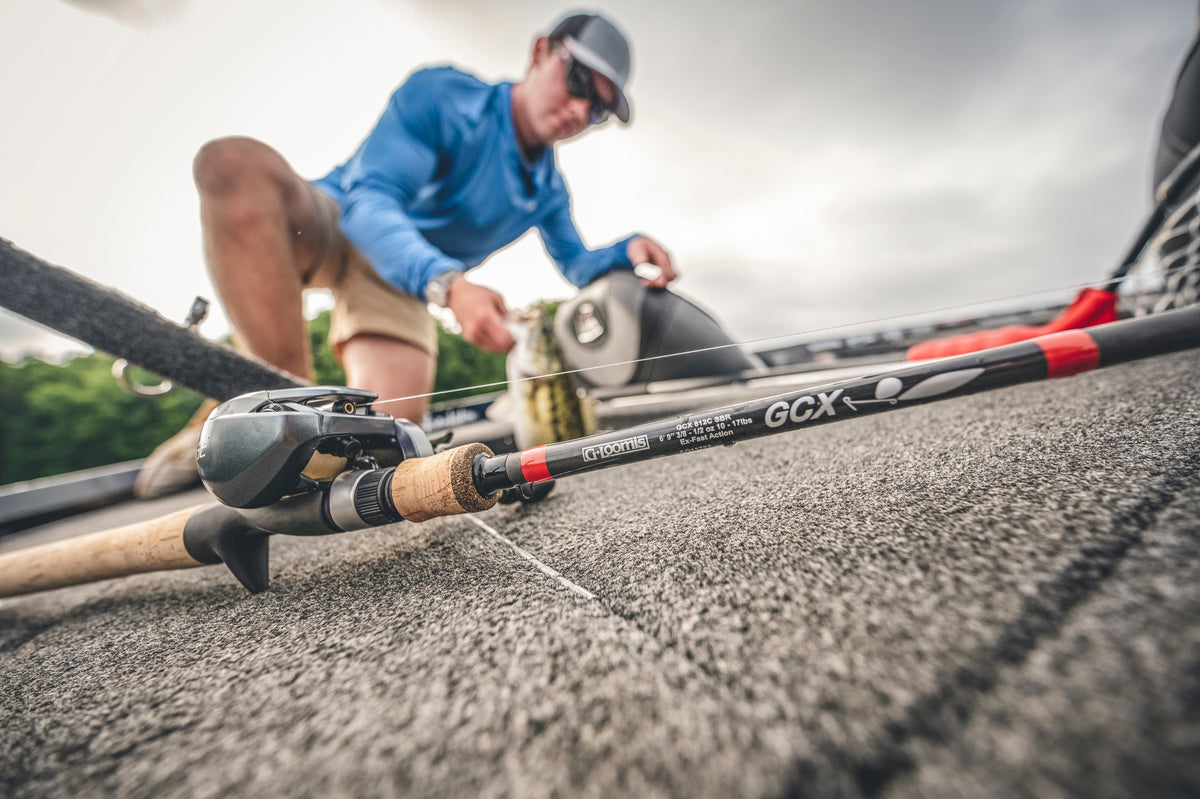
(581, 83)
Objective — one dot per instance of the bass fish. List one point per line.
(548, 406)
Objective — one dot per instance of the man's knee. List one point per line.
(245, 185)
(224, 166)
(390, 368)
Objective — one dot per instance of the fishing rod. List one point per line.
(319, 460)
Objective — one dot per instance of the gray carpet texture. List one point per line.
(994, 595)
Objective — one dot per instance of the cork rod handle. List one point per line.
(440, 485)
(146, 546)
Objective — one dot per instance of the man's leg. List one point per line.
(263, 234)
(392, 369)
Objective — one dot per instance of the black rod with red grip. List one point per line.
(1056, 355)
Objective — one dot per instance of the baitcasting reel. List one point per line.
(259, 448)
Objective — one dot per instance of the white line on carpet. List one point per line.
(570, 586)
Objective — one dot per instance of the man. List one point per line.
(453, 170)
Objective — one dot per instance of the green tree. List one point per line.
(327, 370)
(75, 416)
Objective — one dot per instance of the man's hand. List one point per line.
(480, 313)
(642, 250)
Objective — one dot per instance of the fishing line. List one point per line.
(537, 564)
(755, 341)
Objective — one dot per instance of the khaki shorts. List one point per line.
(363, 301)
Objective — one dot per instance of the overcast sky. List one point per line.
(808, 163)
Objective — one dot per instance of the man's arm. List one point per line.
(396, 160)
(582, 266)
(480, 313)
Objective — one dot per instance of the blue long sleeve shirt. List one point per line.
(440, 183)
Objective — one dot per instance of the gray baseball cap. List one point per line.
(596, 43)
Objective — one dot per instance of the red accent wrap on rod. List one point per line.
(1069, 353)
(533, 465)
